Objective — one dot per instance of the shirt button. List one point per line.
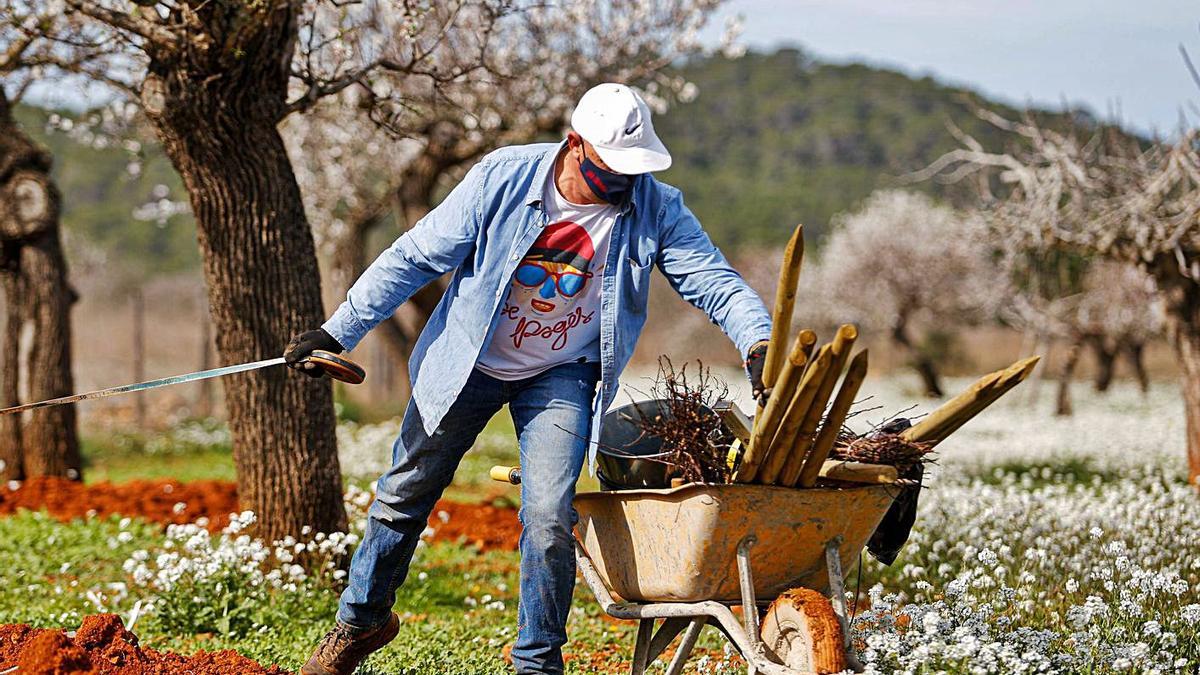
(516, 257)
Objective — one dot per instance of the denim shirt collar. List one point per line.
(546, 164)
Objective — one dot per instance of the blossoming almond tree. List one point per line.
(1103, 193)
(910, 267)
(359, 173)
(215, 79)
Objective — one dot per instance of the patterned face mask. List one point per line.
(607, 185)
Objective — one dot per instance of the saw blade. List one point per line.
(142, 386)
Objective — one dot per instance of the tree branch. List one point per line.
(156, 35)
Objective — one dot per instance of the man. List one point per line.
(551, 248)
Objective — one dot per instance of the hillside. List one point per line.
(777, 139)
(771, 140)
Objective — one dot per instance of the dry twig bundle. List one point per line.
(881, 448)
(692, 434)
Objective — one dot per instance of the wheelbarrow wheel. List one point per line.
(802, 632)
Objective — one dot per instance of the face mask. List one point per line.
(606, 185)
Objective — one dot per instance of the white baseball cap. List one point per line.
(616, 121)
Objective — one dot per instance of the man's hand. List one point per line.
(755, 361)
(303, 345)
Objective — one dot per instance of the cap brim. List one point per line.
(632, 161)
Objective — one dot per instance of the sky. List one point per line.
(1111, 56)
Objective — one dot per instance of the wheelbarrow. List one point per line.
(687, 556)
(678, 559)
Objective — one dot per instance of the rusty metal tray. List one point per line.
(680, 545)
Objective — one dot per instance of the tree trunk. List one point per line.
(924, 365)
(1063, 406)
(414, 197)
(11, 449)
(204, 393)
(216, 109)
(137, 303)
(37, 295)
(1135, 351)
(50, 437)
(1182, 299)
(1106, 361)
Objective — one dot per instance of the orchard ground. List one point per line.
(1043, 544)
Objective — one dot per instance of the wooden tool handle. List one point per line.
(506, 474)
(338, 367)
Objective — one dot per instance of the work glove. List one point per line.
(303, 345)
(755, 361)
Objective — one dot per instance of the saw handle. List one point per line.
(338, 367)
(506, 474)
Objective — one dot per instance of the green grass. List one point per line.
(441, 631)
(124, 457)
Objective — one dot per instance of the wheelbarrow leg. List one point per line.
(686, 644)
(749, 602)
(837, 592)
(666, 635)
(641, 649)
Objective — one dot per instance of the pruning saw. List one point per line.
(337, 367)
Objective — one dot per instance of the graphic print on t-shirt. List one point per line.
(543, 298)
(551, 309)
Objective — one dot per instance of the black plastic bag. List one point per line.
(897, 523)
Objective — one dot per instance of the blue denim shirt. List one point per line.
(482, 230)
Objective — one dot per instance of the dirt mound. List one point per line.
(486, 526)
(483, 525)
(155, 500)
(102, 646)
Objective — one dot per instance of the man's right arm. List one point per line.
(438, 243)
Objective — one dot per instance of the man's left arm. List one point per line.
(697, 271)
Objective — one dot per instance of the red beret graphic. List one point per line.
(563, 242)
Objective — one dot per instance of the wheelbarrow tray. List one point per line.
(680, 545)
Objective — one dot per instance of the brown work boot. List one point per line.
(343, 648)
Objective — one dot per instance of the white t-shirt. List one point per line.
(551, 315)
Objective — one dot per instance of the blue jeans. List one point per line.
(552, 414)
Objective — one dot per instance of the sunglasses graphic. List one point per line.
(533, 275)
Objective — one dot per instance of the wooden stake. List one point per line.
(858, 472)
(833, 422)
(960, 409)
(1009, 378)
(767, 419)
(776, 453)
(785, 301)
(839, 353)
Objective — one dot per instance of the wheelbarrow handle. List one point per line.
(506, 474)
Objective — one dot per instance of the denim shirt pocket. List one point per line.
(637, 292)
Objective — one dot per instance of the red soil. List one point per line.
(150, 499)
(482, 525)
(485, 526)
(102, 646)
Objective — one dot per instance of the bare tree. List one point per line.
(1107, 307)
(215, 80)
(357, 177)
(1118, 315)
(1102, 193)
(908, 266)
(37, 295)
